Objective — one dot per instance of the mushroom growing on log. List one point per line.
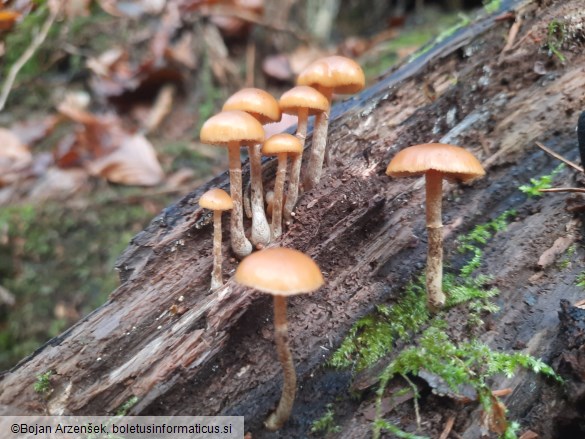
(435, 161)
(264, 108)
(281, 272)
(234, 129)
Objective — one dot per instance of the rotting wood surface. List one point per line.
(163, 338)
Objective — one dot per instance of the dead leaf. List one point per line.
(6, 297)
(59, 184)
(529, 434)
(133, 163)
(14, 156)
(76, 8)
(31, 131)
(277, 67)
(495, 420)
(161, 109)
(7, 19)
(182, 52)
(557, 249)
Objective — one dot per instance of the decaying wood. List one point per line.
(165, 339)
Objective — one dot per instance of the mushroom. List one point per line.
(281, 272)
(333, 74)
(280, 145)
(234, 129)
(264, 108)
(217, 200)
(302, 101)
(435, 161)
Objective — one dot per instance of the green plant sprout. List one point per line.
(492, 6)
(326, 423)
(544, 182)
(43, 383)
(580, 281)
(555, 37)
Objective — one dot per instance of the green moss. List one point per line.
(492, 6)
(326, 423)
(555, 37)
(567, 258)
(58, 262)
(580, 281)
(125, 408)
(544, 182)
(43, 383)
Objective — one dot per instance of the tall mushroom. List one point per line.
(435, 161)
(333, 74)
(264, 108)
(217, 200)
(280, 145)
(281, 272)
(302, 101)
(234, 129)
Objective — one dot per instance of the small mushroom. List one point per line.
(217, 200)
(281, 272)
(280, 145)
(264, 108)
(435, 161)
(234, 129)
(333, 74)
(302, 101)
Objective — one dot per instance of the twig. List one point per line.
(26, 56)
(448, 428)
(563, 189)
(559, 157)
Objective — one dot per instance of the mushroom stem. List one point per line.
(216, 277)
(277, 419)
(260, 235)
(315, 166)
(292, 194)
(278, 193)
(240, 244)
(434, 193)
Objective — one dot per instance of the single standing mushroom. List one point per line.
(280, 145)
(217, 200)
(333, 74)
(281, 272)
(264, 108)
(435, 161)
(234, 129)
(302, 101)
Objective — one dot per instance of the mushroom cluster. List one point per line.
(283, 272)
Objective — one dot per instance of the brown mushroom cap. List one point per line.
(216, 199)
(453, 161)
(303, 96)
(232, 126)
(282, 143)
(256, 102)
(339, 73)
(280, 271)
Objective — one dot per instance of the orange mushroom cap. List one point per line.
(282, 143)
(453, 161)
(339, 73)
(280, 271)
(216, 199)
(303, 96)
(232, 126)
(256, 102)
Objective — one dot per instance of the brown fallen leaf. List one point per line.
(14, 156)
(134, 162)
(495, 420)
(7, 19)
(529, 434)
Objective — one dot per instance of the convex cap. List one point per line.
(339, 73)
(216, 199)
(280, 271)
(259, 103)
(282, 143)
(303, 96)
(232, 126)
(453, 161)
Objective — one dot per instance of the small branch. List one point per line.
(26, 56)
(448, 428)
(559, 157)
(563, 189)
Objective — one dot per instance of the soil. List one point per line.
(214, 354)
